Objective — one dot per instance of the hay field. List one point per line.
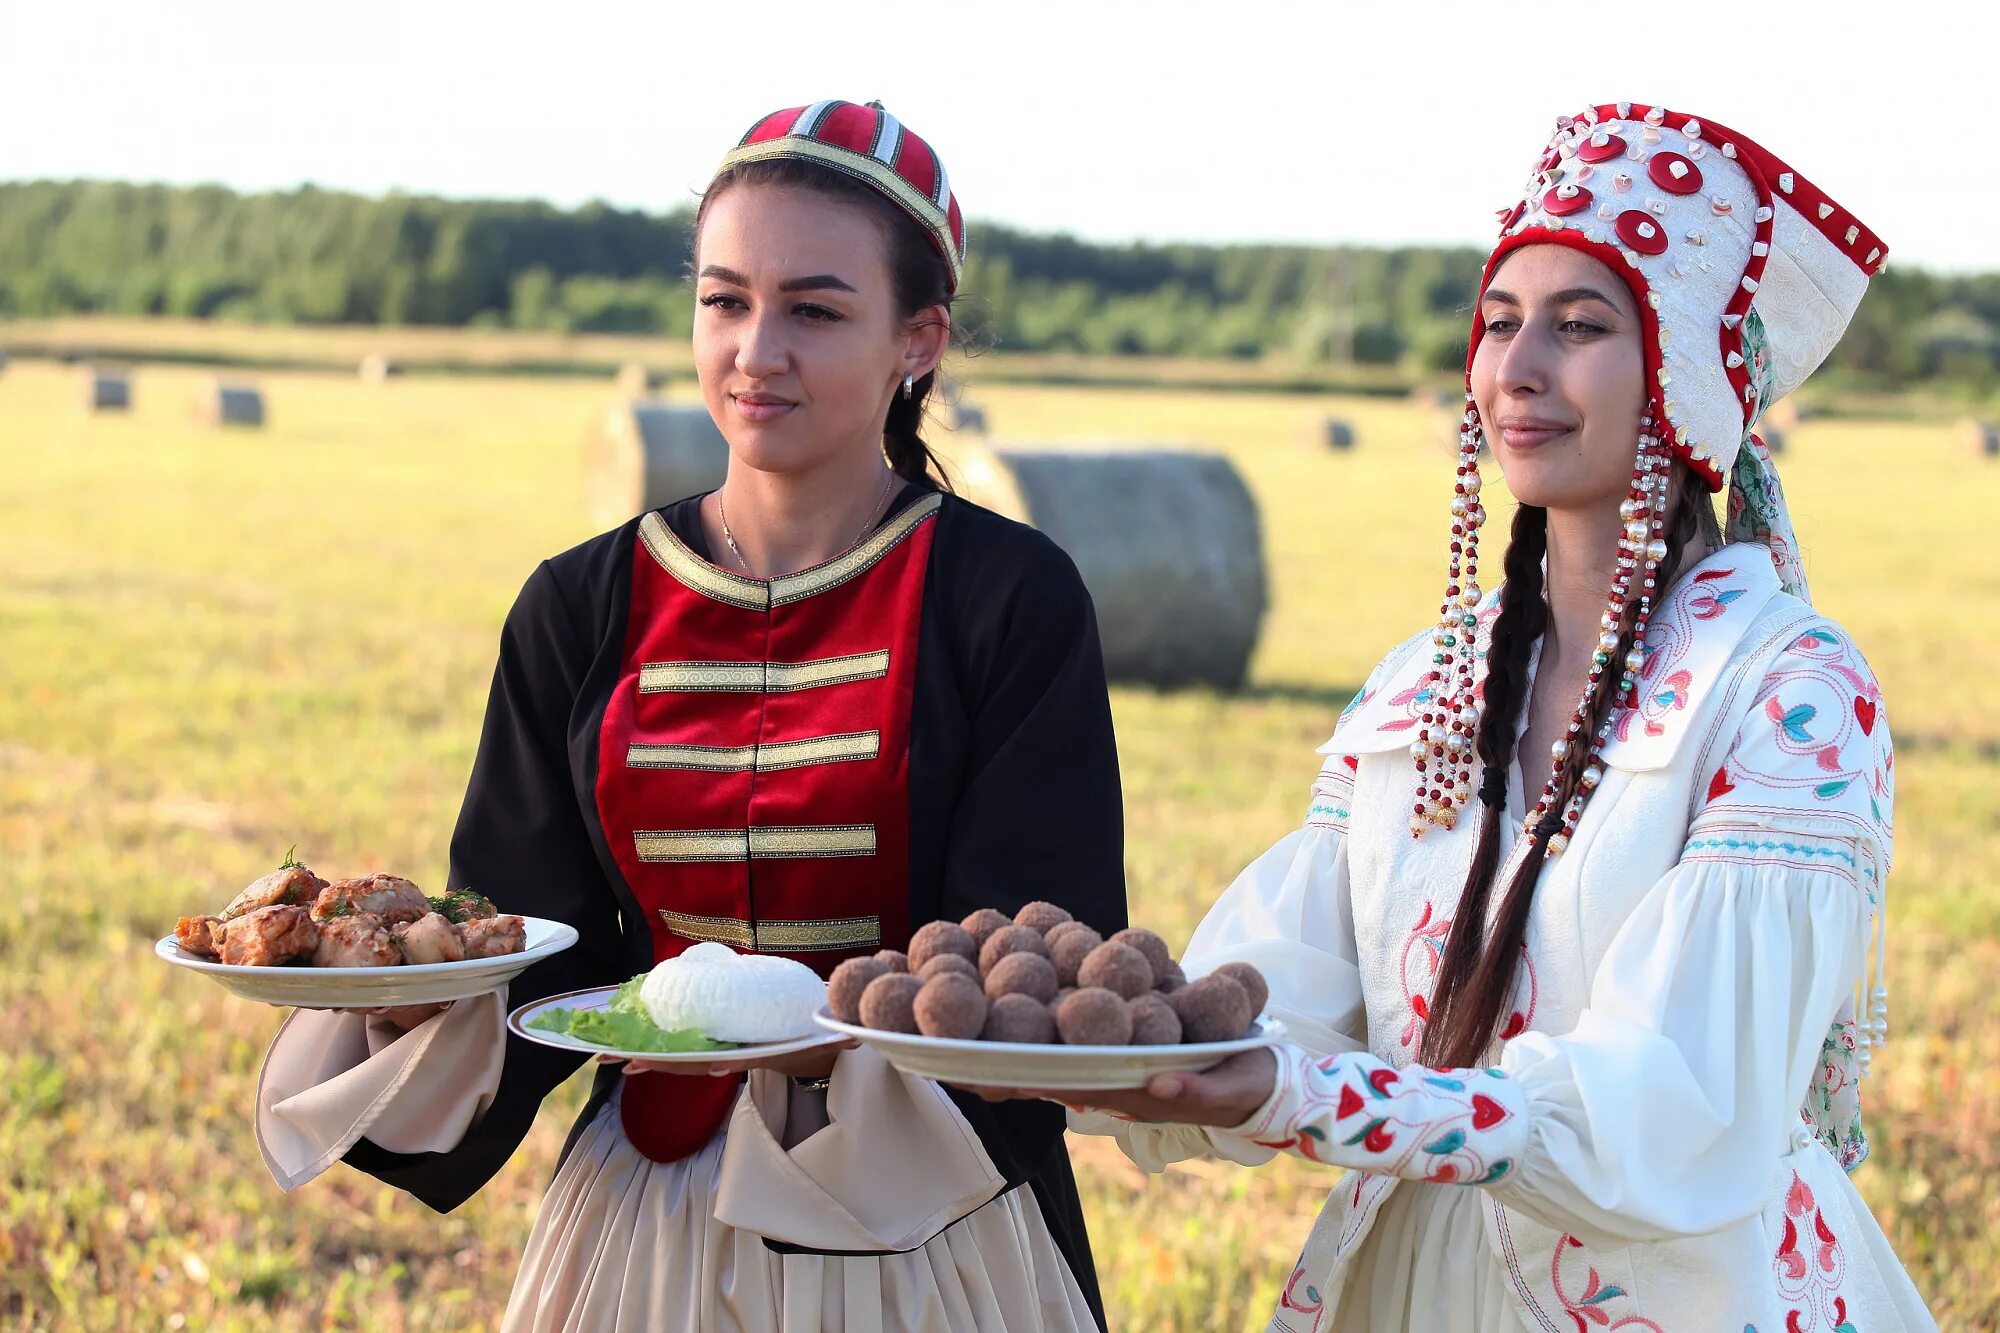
(216, 645)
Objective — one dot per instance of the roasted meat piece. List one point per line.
(428, 939)
(356, 940)
(490, 937)
(267, 936)
(390, 897)
(288, 886)
(196, 935)
(464, 905)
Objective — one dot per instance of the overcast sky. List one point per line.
(1384, 122)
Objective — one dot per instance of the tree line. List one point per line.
(314, 256)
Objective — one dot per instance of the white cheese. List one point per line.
(728, 996)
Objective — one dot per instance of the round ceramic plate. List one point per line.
(1000, 1064)
(374, 987)
(600, 996)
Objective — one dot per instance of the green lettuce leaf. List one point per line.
(623, 1026)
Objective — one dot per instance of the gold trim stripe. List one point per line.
(760, 677)
(692, 844)
(796, 587)
(933, 214)
(762, 758)
(696, 573)
(766, 843)
(677, 559)
(710, 929)
(854, 932)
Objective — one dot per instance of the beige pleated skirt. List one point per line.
(626, 1243)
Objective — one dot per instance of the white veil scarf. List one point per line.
(1757, 511)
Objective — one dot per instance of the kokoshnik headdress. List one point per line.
(1745, 275)
(870, 145)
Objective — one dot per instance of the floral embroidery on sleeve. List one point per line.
(1333, 794)
(1459, 1126)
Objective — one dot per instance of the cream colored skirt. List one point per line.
(883, 1167)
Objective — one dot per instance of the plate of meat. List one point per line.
(292, 938)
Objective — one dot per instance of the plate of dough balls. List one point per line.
(1041, 1000)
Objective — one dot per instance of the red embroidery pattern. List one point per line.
(1302, 1297)
(1810, 1266)
(1663, 684)
(1353, 1110)
(1423, 952)
(1591, 1305)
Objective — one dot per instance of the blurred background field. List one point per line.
(216, 645)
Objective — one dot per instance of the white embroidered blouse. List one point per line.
(1660, 1140)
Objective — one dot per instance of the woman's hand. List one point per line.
(1222, 1097)
(814, 1062)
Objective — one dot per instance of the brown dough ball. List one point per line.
(1019, 1018)
(1117, 967)
(1060, 929)
(897, 960)
(1154, 1022)
(844, 987)
(1041, 917)
(1010, 939)
(1069, 945)
(1022, 974)
(1093, 1016)
(1212, 1009)
(949, 962)
(983, 923)
(1152, 946)
(941, 937)
(890, 1002)
(951, 1005)
(1172, 981)
(1251, 980)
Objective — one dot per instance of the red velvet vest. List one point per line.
(753, 769)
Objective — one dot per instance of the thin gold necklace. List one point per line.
(874, 517)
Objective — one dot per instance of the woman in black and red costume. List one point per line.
(803, 714)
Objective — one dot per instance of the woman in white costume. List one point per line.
(1572, 948)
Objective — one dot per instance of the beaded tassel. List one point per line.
(1444, 746)
(1641, 548)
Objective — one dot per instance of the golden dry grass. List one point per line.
(214, 645)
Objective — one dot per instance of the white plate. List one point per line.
(600, 996)
(373, 987)
(1001, 1064)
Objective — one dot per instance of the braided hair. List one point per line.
(1476, 977)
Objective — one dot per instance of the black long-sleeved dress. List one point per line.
(814, 765)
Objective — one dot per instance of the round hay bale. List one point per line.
(1983, 437)
(107, 389)
(1167, 541)
(1773, 438)
(968, 418)
(376, 368)
(638, 380)
(1330, 433)
(219, 404)
(647, 453)
(1785, 415)
(3, 359)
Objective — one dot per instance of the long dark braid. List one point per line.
(1476, 977)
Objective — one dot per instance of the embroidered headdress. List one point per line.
(1745, 275)
(868, 143)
